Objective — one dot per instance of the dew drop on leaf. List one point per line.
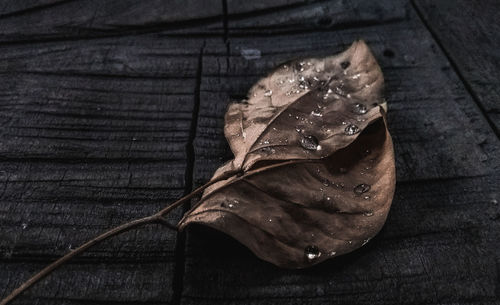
(361, 188)
(312, 252)
(351, 129)
(317, 113)
(309, 142)
(360, 108)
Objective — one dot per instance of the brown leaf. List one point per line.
(313, 175)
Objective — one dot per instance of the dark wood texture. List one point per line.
(468, 32)
(111, 110)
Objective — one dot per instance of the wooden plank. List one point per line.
(252, 18)
(94, 283)
(94, 134)
(51, 207)
(438, 245)
(109, 98)
(468, 33)
(30, 21)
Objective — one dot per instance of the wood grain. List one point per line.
(468, 33)
(111, 110)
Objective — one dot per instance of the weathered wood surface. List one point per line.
(469, 31)
(111, 110)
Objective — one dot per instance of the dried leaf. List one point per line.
(313, 174)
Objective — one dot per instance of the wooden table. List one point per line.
(110, 110)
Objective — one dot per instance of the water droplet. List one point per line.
(317, 113)
(367, 197)
(332, 253)
(285, 67)
(349, 242)
(270, 220)
(268, 93)
(360, 108)
(325, 128)
(361, 188)
(328, 198)
(250, 54)
(70, 247)
(266, 142)
(339, 185)
(356, 76)
(268, 150)
(24, 225)
(309, 142)
(368, 214)
(339, 91)
(312, 252)
(345, 64)
(351, 129)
